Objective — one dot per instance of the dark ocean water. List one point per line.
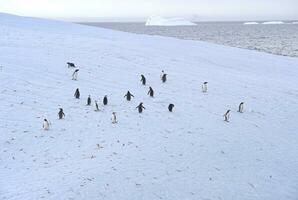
(280, 39)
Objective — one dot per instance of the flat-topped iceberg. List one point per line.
(160, 21)
(250, 23)
(274, 22)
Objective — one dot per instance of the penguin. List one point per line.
(114, 118)
(150, 92)
(75, 74)
(128, 96)
(164, 78)
(89, 101)
(143, 79)
(61, 113)
(171, 106)
(77, 93)
(240, 109)
(204, 87)
(46, 125)
(162, 73)
(105, 100)
(96, 106)
(227, 115)
(140, 107)
(69, 64)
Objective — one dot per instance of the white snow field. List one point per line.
(190, 153)
(161, 21)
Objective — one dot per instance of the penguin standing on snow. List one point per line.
(46, 125)
(128, 96)
(105, 100)
(240, 109)
(143, 79)
(150, 92)
(227, 115)
(162, 73)
(140, 107)
(77, 93)
(164, 78)
(75, 74)
(170, 107)
(114, 118)
(61, 113)
(89, 101)
(204, 87)
(96, 106)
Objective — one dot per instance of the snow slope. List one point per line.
(188, 154)
(160, 21)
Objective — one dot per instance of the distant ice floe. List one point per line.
(294, 22)
(160, 21)
(274, 22)
(250, 23)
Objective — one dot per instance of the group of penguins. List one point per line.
(128, 96)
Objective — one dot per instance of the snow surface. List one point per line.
(188, 154)
(273, 22)
(250, 23)
(160, 21)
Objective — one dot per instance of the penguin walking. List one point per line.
(170, 107)
(75, 74)
(89, 101)
(96, 106)
(105, 100)
(143, 79)
(77, 93)
(114, 118)
(240, 108)
(164, 78)
(46, 125)
(204, 87)
(61, 113)
(140, 107)
(150, 92)
(128, 96)
(227, 115)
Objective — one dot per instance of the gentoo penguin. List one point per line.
(69, 64)
(46, 125)
(77, 93)
(105, 100)
(150, 92)
(143, 79)
(140, 107)
(61, 113)
(114, 118)
(128, 96)
(240, 109)
(75, 74)
(227, 115)
(204, 87)
(164, 78)
(96, 106)
(89, 101)
(171, 106)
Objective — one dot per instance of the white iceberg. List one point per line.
(274, 22)
(160, 21)
(250, 23)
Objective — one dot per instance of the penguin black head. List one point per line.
(228, 111)
(205, 82)
(45, 120)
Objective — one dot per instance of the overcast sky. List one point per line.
(122, 10)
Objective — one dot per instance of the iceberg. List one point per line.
(274, 22)
(250, 23)
(160, 21)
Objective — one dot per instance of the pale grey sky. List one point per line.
(199, 10)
